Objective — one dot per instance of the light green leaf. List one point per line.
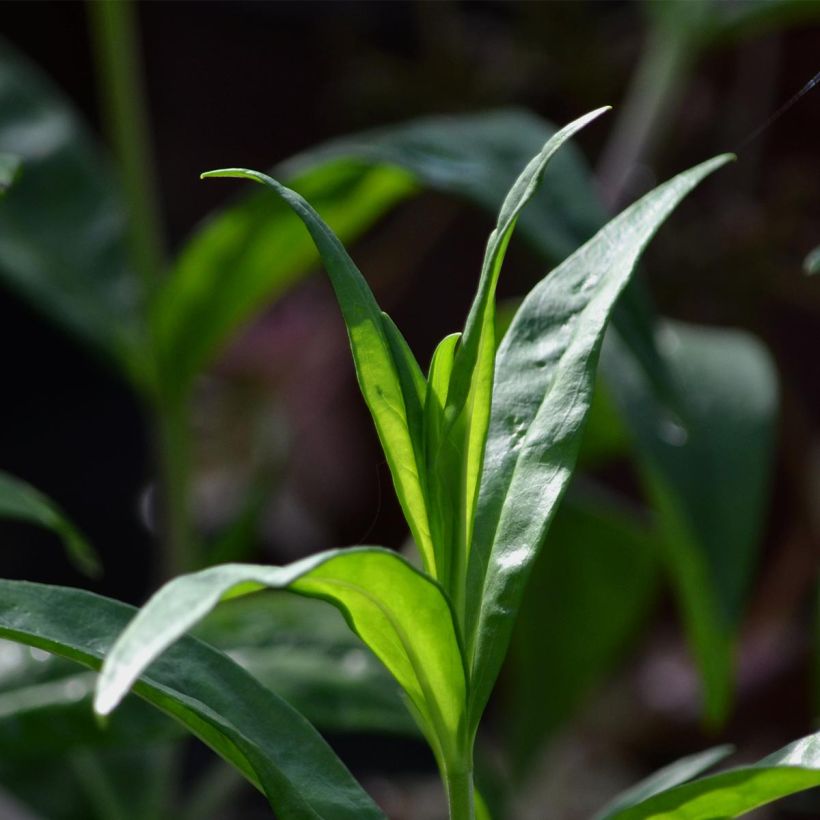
(400, 614)
(467, 409)
(20, 501)
(812, 263)
(575, 621)
(545, 371)
(250, 253)
(62, 232)
(200, 687)
(666, 778)
(388, 388)
(9, 168)
(707, 474)
(735, 792)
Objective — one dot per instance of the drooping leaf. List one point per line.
(62, 232)
(248, 254)
(204, 690)
(389, 388)
(305, 652)
(575, 619)
(402, 616)
(668, 777)
(467, 409)
(545, 370)
(707, 473)
(20, 501)
(811, 265)
(735, 792)
(9, 168)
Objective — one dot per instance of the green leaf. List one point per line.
(537, 420)
(248, 254)
(467, 409)
(9, 169)
(62, 244)
(400, 614)
(707, 473)
(212, 696)
(305, 652)
(735, 792)
(389, 388)
(20, 501)
(575, 620)
(812, 263)
(666, 778)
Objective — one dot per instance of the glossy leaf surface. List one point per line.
(735, 792)
(537, 420)
(707, 473)
(389, 382)
(205, 691)
(62, 227)
(20, 501)
(400, 614)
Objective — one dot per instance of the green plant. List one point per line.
(480, 452)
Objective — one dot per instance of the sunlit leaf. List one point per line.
(20, 501)
(536, 425)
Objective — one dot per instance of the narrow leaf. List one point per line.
(396, 610)
(379, 376)
(681, 771)
(733, 793)
(545, 371)
(212, 696)
(20, 501)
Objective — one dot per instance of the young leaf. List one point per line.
(545, 370)
(467, 409)
(22, 502)
(396, 610)
(666, 778)
(389, 387)
(735, 792)
(208, 693)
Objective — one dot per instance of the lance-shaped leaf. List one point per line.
(545, 371)
(467, 409)
(389, 386)
(735, 792)
(20, 501)
(203, 689)
(399, 612)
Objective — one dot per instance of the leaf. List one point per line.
(732, 793)
(62, 233)
(20, 501)
(537, 420)
(248, 254)
(9, 169)
(811, 265)
(306, 653)
(707, 473)
(467, 409)
(575, 620)
(400, 614)
(389, 389)
(666, 778)
(204, 690)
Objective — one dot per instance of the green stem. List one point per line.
(460, 793)
(114, 38)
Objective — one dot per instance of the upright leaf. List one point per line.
(735, 792)
(396, 610)
(467, 409)
(20, 501)
(545, 370)
(200, 687)
(389, 388)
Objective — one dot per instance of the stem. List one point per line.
(460, 794)
(114, 40)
